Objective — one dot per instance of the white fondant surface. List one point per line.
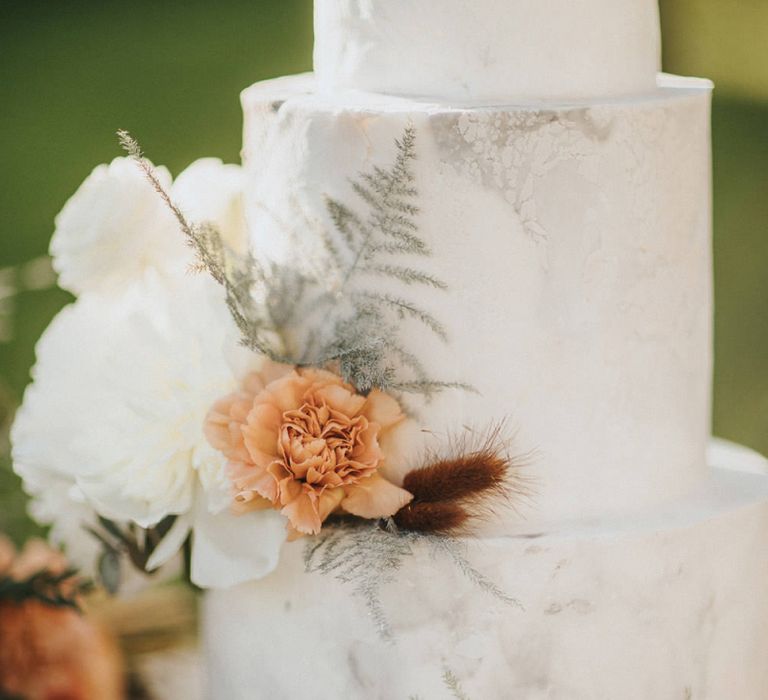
(575, 240)
(670, 605)
(488, 49)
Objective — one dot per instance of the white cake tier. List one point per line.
(488, 49)
(575, 242)
(670, 605)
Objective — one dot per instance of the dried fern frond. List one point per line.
(452, 492)
(453, 684)
(381, 244)
(365, 556)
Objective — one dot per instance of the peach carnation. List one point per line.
(304, 442)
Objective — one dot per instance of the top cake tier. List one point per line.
(490, 50)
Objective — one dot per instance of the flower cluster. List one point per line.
(124, 428)
(119, 423)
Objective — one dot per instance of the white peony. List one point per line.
(209, 190)
(120, 393)
(114, 229)
(126, 375)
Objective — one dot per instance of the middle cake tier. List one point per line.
(553, 259)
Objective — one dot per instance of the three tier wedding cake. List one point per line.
(432, 418)
(563, 194)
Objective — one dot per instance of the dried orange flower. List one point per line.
(49, 651)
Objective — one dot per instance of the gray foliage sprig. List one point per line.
(453, 549)
(368, 557)
(362, 555)
(352, 326)
(453, 684)
(381, 244)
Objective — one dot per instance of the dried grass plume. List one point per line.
(454, 492)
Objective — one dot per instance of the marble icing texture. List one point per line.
(575, 240)
(669, 605)
(488, 49)
(572, 225)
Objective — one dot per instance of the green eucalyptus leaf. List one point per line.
(109, 570)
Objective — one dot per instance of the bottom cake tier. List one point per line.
(670, 605)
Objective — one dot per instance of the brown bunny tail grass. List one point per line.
(452, 492)
(457, 478)
(436, 518)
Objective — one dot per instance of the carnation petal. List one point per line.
(262, 430)
(322, 377)
(250, 477)
(329, 502)
(381, 408)
(368, 450)
(341, 399)
(216, 427)
(302, 513)
(270, 371)
(287, 392)
(374, 497)
(292, 534)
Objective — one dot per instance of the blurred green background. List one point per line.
(72, 73)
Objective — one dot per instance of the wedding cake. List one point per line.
(432, 419)
(562, 196)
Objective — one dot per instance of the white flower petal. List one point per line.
(171, 543)
(114, 229)
(229, 549)
(211, 468)
(58, 503)
(210, 191)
